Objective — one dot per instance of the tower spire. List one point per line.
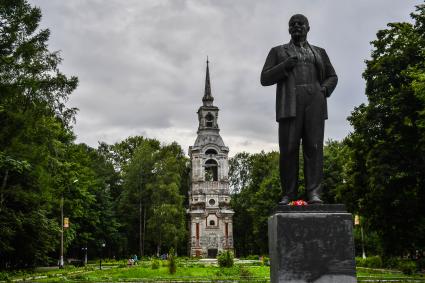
(207, 99)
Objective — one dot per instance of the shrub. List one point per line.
(404, 265)
(421, 264)
(408, 267)
(392, 263)
(4, 276)
(360, 262)
(155, 263)
(374, 262)
(244, 273)
(172, 266)
(371, 262)
(225, 259)
(227, 272)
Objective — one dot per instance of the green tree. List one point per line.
(335, 155)
(35, 133)
(266, 193)
(137, 174)
(255, 202)
(239, 172)
(89, 202)
(167, 223)
(257, 191)
(388, 143)
(151, 203)
(172, 264)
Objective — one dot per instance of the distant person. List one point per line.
(130, 262)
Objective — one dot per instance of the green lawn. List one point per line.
(186, 271)
(146, 273)
(366, 275)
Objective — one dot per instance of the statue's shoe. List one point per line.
(314, 199)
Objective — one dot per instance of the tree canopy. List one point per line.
(387, 160)
(40, 163)
(35, 134)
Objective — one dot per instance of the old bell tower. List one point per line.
(211, 227)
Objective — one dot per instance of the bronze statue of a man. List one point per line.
(305, 78)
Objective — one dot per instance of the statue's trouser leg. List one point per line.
(312, 136)
(290, 131)
(289, 147)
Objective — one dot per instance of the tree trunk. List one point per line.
(158, 248)
(144, 231)
(140, 227)
(3, 187)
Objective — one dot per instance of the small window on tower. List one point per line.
(211, 202)
(212, 223)
(209, 120)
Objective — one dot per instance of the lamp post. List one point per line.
(61, 263)
(363, 250)
(357, 222)
(102, 245)
(85, 255)
(61, 256)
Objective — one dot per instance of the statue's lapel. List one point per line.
(319, 62)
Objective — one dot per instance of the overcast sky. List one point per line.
(141, 63)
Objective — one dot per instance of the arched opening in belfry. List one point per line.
(209, 118)
(211, 170)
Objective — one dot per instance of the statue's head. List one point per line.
(298, 27)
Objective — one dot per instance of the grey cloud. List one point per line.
(141, 64)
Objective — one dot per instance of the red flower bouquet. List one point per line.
(299, 202)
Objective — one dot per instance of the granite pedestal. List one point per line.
(311, 244)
